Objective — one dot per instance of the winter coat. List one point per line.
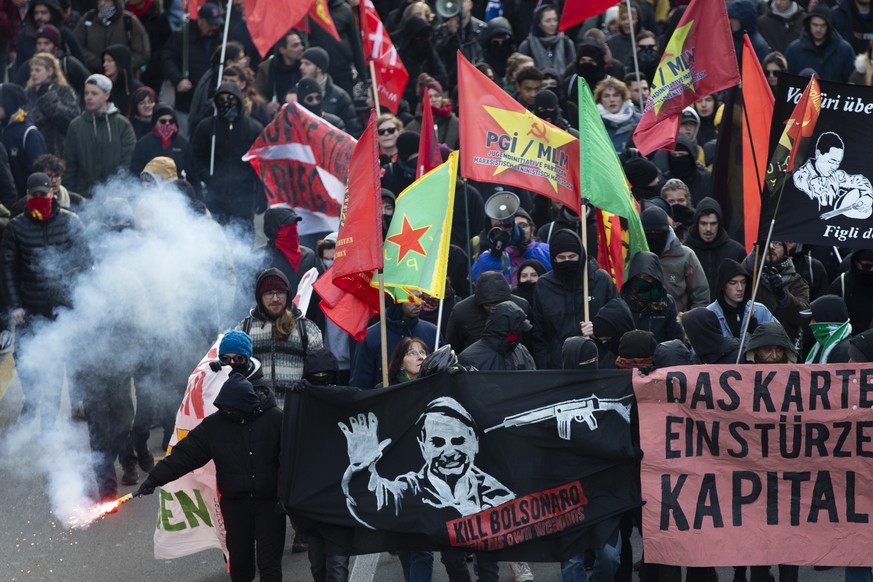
(833, 60)
(620, 131)
(98, 145)
(367, 363)
(52, 107)
(149, 147)
(712, 253)
(663, 324)
(338, 102)
(274, 78)
(157, 26)
(854, 29)
(708, 343)
(796, 298)
(780, 32)
(125, 82)
(28, 244)
(346, 53)
(619, 318)
(467, 40)
(124, 28)
(813, 272)
(554, 51)
(8, 193)
(447, 128)
(417, 59)
(514, 257)
(273, 257)
(468, 318)
(200, 51)
(281, 360)
(746, 14)
(492, 351)
(856, 288)
(245, 448)
(559, 306)
(234, 189)
(684, 277)
(27, 38)
(24, 144)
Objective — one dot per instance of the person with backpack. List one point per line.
(110, 24)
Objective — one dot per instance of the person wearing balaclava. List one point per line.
(590, 65)
(644, 292)
(311, 97)
(500, 346)
(612, 321)
(636, 349)
(684, 278)
(507, 244)
(579, 353)
(855, 286)
(829, 322)
(547, 106)
(243, 438)
(283, 250)
(732, 304)
(314, 64)
(498, 42)
(644, 178)
(234, 190)
(529, 272)
(24, 143)
(682, 164)
(559, 299)
(281, 335)
(707, 342)
(164, 140)
(418, 53)
(399, 174)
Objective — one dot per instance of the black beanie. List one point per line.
(318, 57)
(307, 86)
(637, 344)
(603, 327)
(407, 144)
(546, 98)
(162, 109)
(563, 241)
(640, 171)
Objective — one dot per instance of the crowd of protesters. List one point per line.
(98, 88)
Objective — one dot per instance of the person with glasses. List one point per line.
(314, 63)
(781, 24)
(164, 140)
(53, 167)
(311, 97)
(773, 64)
(281, 336)
(388, 127)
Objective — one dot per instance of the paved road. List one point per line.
(35, 547)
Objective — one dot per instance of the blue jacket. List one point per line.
(832, 61)
(762, 314)
(510, 260)
(367, 365)
(23, 147)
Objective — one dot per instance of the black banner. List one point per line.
(828, 198)
(529, 465)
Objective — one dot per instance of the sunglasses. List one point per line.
(232, 359)
(312, 99)
(387, 131)
(166, 121)
(771, 72)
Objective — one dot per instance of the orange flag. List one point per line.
(269, 20)
(504, 143)
(699, 60)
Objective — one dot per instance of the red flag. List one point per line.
(270, 20)
(303, 162)
(359, 238)
(575, 11)
(344, 309)
(391, 75)
(699, 60)
(803, 119)
(504, 143)
(320, 14)
(429, 156)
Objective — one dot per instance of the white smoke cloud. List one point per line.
(153, 296)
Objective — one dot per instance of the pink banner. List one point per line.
(757, 465)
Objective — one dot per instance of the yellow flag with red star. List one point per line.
(416, 246)
(504, 143)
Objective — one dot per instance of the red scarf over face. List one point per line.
(288, 242)
(40, 207)
(166, 133)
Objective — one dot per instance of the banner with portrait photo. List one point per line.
(828, 198)
(529, 465)
(757, 465)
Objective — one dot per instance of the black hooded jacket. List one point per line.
(615, 316)
(467, 321)
(494, 57)
(559, 307)
(704, 334)
(855, 287)
(125, 82)
(689, 170)
(27, 38)
(274, 219)
(663, 324)
(712, 253)
(493, 351)
(245, 445)
(671, 353)
(419, 57)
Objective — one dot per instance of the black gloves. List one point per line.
(773, 281)
(147, 487)
(499, 240)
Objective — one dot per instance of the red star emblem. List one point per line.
(408, 239)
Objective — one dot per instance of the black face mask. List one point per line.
(239, 368)
(591, 72)
(567, 269)
(657, 240)
(646, 192)
(229, 109)
(322, 378)
(501, 51)
(550, 114)
(647, 57)
(526, 288)
(681, 165)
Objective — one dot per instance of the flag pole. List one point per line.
(583, 228)
(375, 86)
(633, 36)
(469, 239)
(383, 331)
(758, 279)
(436, 342)
(218, 83)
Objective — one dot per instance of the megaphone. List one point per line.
(502, 206)
(448, 8)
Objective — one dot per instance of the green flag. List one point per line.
(417, 244)
(603, 181)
